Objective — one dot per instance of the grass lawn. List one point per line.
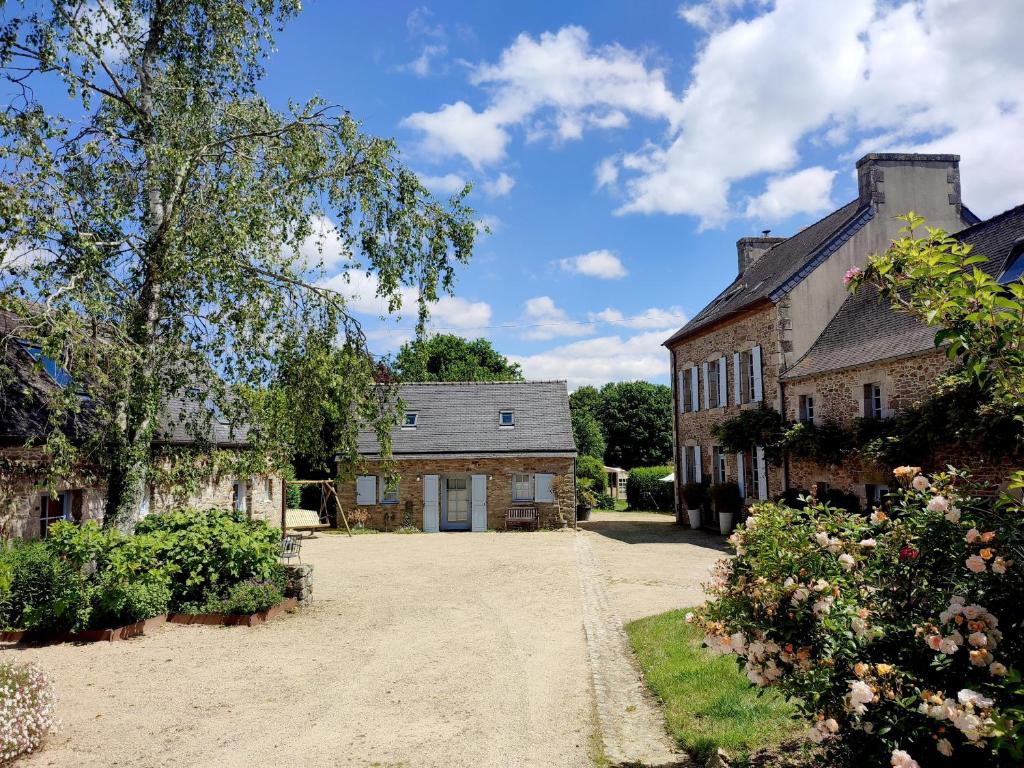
(708, 701)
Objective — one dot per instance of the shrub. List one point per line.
(885, 630)
(726, 498)
(694, 494)
(604, 501)
(208, 551)
(132, 581)
(46, 593)
(252, 596)
(592, 469)
(26, 709)
(645, 489)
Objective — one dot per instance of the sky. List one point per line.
(619, 149)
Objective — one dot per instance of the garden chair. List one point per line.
(291, 546)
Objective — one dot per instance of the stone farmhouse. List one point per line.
(28, 507)
(786, 334)
(465, 454)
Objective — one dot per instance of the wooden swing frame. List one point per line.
(327, 488)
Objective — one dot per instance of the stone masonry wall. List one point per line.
(759, 328)
(220, 493)
(499, 489)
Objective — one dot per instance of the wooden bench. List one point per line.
(304, 520)
(522, 516)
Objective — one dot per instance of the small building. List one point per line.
(465, 453)
(617, 478)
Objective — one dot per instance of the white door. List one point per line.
(430, 503)
(479, 502)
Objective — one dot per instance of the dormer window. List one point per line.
(506, 419)
(410, 421)
(52, 368)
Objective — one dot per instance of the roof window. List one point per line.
(53, 369)
(1015, 266)
(506, 419)
(410, 420)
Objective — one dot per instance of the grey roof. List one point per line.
(462, 418)
(780, 268)
(865, 331)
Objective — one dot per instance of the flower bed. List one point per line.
(234, 620)
(126, 632)
(26, 710)
(898, 634)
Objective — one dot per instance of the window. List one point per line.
(873, 401)
(718, 464)
(522, 487)
(686, 389)
(506, 419)
(268, 489)
(747, 376)
(820, 491)
(388, 492)
(53, 508)
(807, 408)
(690, 457)
(753, 490)
(409, 422)
(714, 398)
(239, 496)
(1015, 267)
(622, 485)
(877, 496)
(61, 377)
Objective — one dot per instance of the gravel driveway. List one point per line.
(419, 650)
(442, 650)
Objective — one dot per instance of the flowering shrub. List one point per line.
(897, 633)
(26, 709)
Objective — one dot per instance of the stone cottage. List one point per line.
(751, 346)
(465, 454)
(28, 507)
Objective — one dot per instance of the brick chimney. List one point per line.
(750, 249)
(896, 182)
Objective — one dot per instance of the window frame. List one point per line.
(687, 394)
(406, 424)
(45, 519)
(387, 490)
(690, 459)
(531, 486)
(268, 488)
(718, 466)
(873, 407)
(807, 413)
(512, 418)
(714, 396)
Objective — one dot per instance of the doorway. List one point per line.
(457, 504)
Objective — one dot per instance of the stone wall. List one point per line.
(758, 328)
(262, 503)
(299, 582)
(499, 472)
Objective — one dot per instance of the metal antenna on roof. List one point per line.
(765, 232)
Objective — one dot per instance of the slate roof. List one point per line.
(864, 331)
(462, 419)
(781, 267)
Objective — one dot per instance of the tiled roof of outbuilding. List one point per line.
(781, 267)
(462, 418)
(864, 330)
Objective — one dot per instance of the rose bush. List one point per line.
(897, 633)
(26, 709)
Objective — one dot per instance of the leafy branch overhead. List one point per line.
(156, 236)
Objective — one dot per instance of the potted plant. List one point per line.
(585, 497)
(728, 503)
(693, 495)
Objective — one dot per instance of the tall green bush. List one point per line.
(46, 592)
(646, 490)
(593, 469)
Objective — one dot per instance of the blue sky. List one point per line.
(619, 149)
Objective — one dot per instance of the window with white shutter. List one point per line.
(543, 491)
(758, 381)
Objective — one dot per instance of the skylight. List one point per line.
(1015, 269)
(53, 369)
(411, 420)
(506, 419)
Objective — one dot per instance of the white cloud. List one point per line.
(929, 75)
(654, 317)
(806, 191)
(421, 66)
(500, 186)
(607, 172)
(542, 319)
(556, 85)
(603, 264)
(448, 184)
(600, 360)
(456, 313)
(323, 248)
(488, 221)
(420, 23)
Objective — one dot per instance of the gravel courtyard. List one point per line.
(442, 650)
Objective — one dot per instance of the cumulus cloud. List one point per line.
(601, 359)
(323, 248)
(448, 184)
(557, 84)
(602, 263)
(543, 319)
(499, 186)
(806, 191)
(606, 173)
(654, 317)
(421, 66)
(420, 23)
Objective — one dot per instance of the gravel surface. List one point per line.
(440, 650)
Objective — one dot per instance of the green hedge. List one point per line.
(587, 467)
(646, 490)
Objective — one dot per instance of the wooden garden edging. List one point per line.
(88, 636)
(229, 620)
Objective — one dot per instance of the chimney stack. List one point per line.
(750, 249)
(900, 182)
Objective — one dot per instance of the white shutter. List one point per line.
(679, 389)
(431, 517)
(723, 397)
(479, 522)
(240, 496)
(737, 393)
(682, 464)
(758, 385)
(741, 475)
(762, 479)
(366, 489)
(707, 389)
(698, 470)
(147, 490)
(542, 489)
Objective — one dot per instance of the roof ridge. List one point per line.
(480, 383)
(990, 220)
